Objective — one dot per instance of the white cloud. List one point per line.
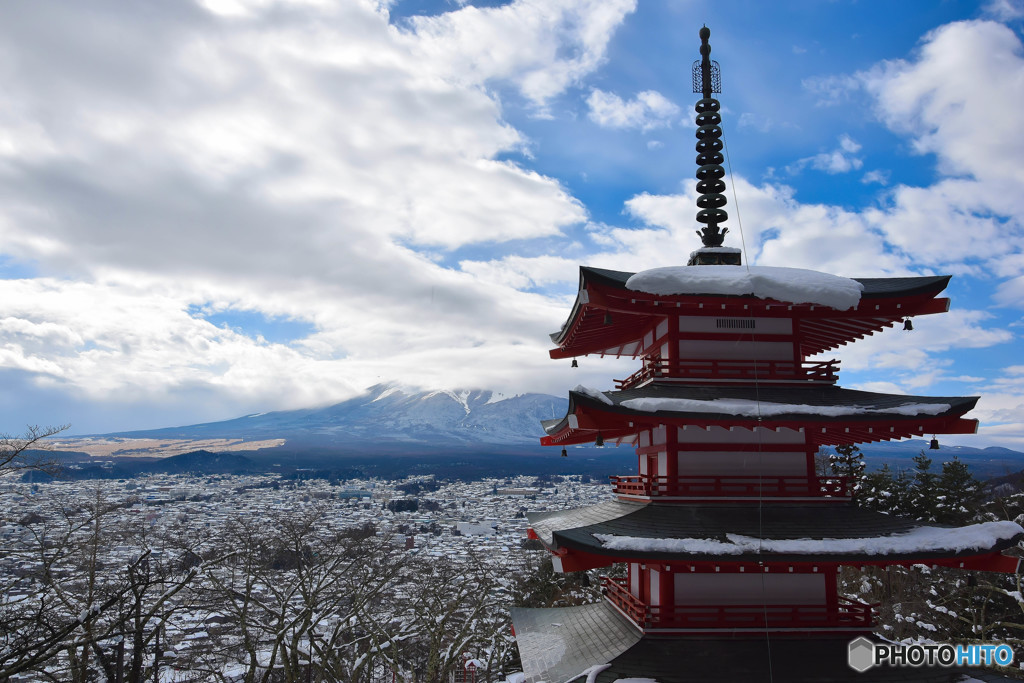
(315, 161)
(833, 90)
(523, 272)
(1001, 408)
(777, 230)
(880, 387)
(1004, 10)
(288, 158)
(543, 46)
(876, 177)
(839, 160)
(649, 109)
(756, 121)
(958, 99)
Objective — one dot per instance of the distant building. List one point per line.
(476, 529)
(520, 492)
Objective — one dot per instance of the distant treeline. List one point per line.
(597, 464)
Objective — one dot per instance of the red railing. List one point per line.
(768, 370)
(742, 487)
(847, 614)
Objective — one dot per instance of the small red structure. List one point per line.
(731, 541)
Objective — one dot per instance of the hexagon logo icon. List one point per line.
(861, 654)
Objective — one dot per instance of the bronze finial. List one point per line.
(707, 80)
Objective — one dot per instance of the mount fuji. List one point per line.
(391, 420)
(388, 416)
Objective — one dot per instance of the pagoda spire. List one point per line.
(707, 81)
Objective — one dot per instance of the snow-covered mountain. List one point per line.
(390, 419)
(393, 415)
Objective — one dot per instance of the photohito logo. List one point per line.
(864, 654)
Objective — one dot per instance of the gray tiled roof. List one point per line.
(823, 395)
(575, 529)
(557, 644)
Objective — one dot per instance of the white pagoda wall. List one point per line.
(735, 350)
(694, 461)
(750, 589)
(684, 451)
(717, 349)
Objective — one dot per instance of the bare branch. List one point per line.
(28, 452)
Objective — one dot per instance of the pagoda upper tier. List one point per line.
(677, 318)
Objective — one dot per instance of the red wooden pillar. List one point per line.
(671, 456)
(831, 592)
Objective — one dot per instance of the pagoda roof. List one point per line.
(833, 415)
(558, 643)
(883, 301)
(779, 532)
(569, 643)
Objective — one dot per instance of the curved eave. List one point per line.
(988, 559)
(586, 416)
(679, 533)
(884, 301)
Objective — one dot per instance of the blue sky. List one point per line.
(230, 206)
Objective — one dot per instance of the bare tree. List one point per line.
(81, 603)
(28, 451)
(449, 609)
(293, 594)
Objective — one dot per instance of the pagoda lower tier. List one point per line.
(761, 538)
(595, 643)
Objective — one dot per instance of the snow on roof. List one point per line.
(748, 408)
(794, 285)
(593, 393)
(920, 540)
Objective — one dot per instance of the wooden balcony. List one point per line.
(645, 486)
(826, 372)
(848, 614)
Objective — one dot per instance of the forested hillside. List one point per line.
(937, 603)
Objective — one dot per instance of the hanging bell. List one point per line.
(907, 325)
(574, 363)
(934, 445)
(565, 453)
(607, 318)
(599, 441)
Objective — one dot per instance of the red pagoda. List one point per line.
(731, 540)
